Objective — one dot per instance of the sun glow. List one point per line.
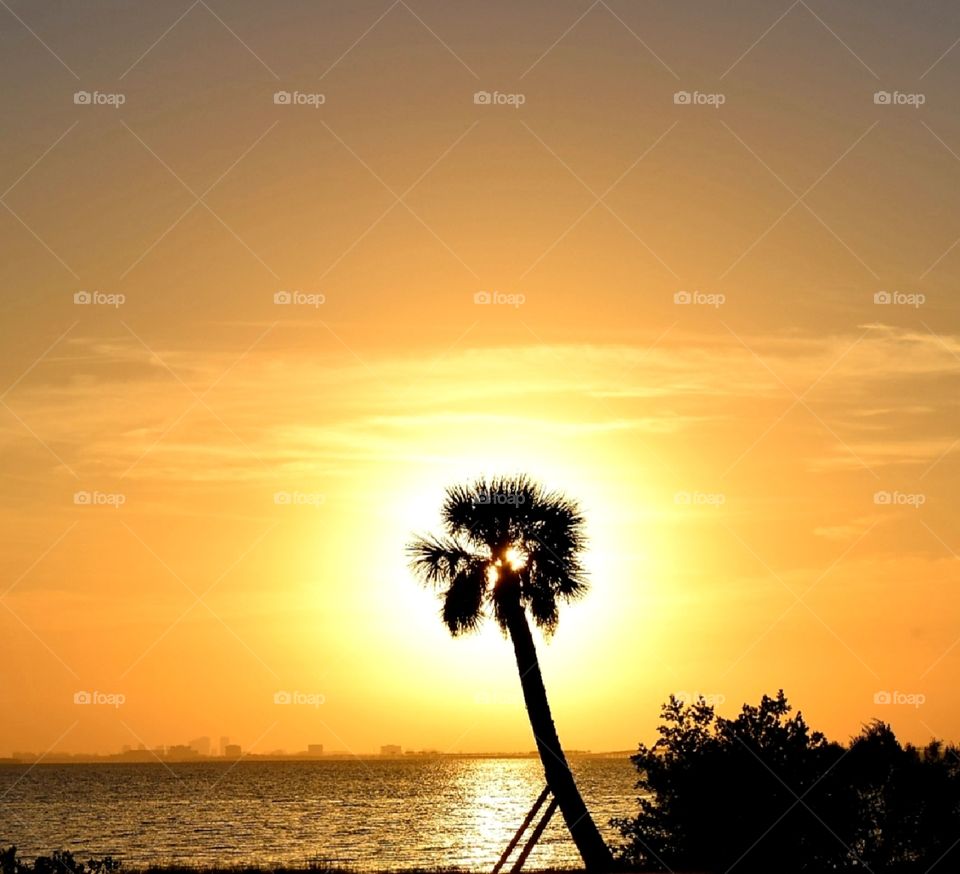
(516, 558)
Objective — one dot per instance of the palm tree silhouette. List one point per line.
(510, 548)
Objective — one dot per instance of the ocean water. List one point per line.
(392, 814)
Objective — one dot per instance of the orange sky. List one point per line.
(728, 451)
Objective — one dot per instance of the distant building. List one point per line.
(141, 754)
(224, 741)
(390, 750)
(181, 751)
(201, 745)
(314, 749)
(232, 751)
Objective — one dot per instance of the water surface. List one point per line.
(388, 813)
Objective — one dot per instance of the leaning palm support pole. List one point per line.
(511, 550)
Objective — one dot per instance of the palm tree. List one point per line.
(510, 549)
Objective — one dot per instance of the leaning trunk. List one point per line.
(595, 853)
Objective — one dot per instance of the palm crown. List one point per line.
(505, 541)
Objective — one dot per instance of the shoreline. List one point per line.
(141, 757)
(317, 867)
(308, 867)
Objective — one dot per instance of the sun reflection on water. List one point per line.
(385, 814)
(492, 798)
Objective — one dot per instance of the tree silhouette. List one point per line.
(510, 549)
(763, 792)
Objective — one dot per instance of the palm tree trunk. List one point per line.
(594, 852)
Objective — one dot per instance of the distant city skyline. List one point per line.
(178, 752)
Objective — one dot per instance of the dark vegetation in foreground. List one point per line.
(64, 862)
(764, 793)
(58, 862)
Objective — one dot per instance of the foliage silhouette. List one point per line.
(762, 792)
(58, 862)
(508, 549)
(11, 864)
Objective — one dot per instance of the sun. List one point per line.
(516, 558)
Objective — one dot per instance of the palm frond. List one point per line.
(438, 560)
(481, 521)
(553, 542)
(491, 511)
(463, 601)
(566, 579)
(543, 610)
(556, 525)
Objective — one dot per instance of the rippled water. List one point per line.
(389, 813)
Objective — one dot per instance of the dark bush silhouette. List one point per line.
(762, 792)
(58, 862)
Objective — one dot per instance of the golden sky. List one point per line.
(728, 326)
